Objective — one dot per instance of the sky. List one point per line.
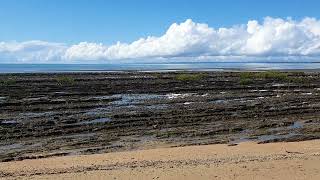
(84, 31)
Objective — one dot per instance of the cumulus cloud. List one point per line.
(30, 51)
(273, 38)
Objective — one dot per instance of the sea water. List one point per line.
(192, 66)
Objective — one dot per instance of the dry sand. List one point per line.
(296, 160)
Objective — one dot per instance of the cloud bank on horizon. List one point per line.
(274, 38)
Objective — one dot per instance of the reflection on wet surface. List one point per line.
(277, 134)
(4, 148)
(133, 99)
(275, 137)
(9, 122)
(95, 121)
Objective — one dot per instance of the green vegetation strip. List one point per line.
(65, 80)
(190, 77)
(248, 77)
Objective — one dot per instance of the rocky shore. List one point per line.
(58, 114)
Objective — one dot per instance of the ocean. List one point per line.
(195, 66)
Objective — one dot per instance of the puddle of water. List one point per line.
(95, 121)
(176, 96)
(35, 115)
(296, 125)
(247, 100)
(128, 101)
(262, 90)
(9, 122)
(131, 99)
(10, 147)
(4, 148)
(137, 76)
(274, 137)
(60, 93)
(219, 101)
(135, 102)
(246, 138)
(244, 133)
(240, 140)
(263, 138)
(2, 99)
(187, 103)
(278, 85)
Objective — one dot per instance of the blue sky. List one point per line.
(109, 21)
(66, 31)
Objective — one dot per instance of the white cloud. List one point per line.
(86, 51)
(273, 38)
(31, 51)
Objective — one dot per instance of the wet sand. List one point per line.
(286, 160)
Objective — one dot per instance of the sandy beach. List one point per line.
(286, 160)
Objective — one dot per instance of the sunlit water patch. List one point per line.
(95, 121)
(132, 99)
(9, 122)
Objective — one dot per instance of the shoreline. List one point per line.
(286, 160)
(206, 70)
(161, 67)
